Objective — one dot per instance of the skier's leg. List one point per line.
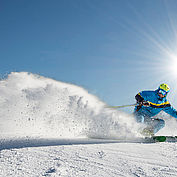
(158, 124)
(139, 117)
(149, 130)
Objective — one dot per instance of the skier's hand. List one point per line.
(145, 103)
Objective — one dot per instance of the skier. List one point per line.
(150, 103)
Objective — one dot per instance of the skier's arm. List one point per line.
(171, 111)
(140, 100)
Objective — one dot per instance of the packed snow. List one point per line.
(51, 128)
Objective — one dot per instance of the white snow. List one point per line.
(32, 105)
(108, 159)
(50, 128)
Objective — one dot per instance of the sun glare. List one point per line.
(173, 65)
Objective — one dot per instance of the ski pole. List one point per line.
(121, 106)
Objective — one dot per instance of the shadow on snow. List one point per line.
(24, 142)
(40, 142)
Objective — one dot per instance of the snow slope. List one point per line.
(50, 128)
(93, 160)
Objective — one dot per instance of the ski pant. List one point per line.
(153, 123)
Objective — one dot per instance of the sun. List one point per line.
(172, 65)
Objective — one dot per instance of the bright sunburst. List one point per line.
(173, 65)
(159, 63)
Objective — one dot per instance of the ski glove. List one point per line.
(145, 103)
(140, 100)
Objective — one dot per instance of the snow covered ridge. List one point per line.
(32, 105)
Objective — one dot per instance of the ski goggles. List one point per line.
(163, 92)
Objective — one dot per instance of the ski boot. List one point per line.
(148, 132)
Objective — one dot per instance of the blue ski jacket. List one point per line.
(157, 104)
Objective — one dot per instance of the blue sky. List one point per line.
(113, 48)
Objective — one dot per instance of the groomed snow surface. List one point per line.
(50, 128)
(108, 159)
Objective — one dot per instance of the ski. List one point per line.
(146, 139)
(162, 138)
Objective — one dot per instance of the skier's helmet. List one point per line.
(164, 89)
